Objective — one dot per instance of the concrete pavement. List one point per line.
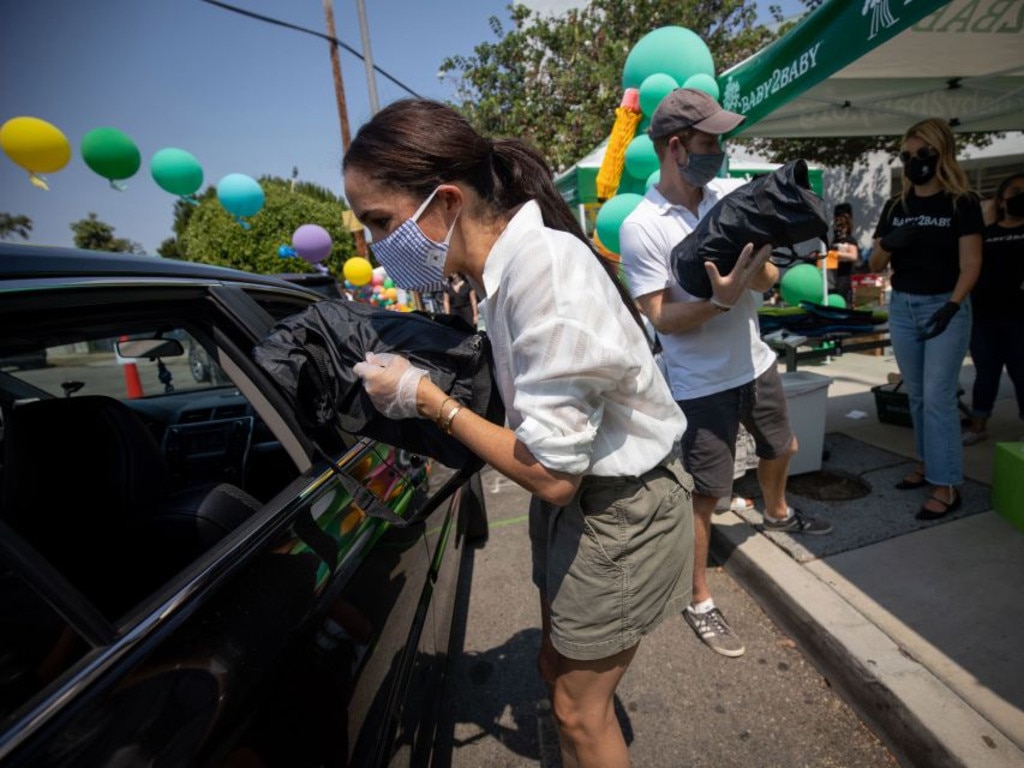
(919, 625)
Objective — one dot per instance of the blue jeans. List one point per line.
(931, 378)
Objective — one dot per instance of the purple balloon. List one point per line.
(312, 242)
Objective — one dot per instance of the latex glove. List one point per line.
(726, 291)
(940, 320)
(391, 382)
(901, 237)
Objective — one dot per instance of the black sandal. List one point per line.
(950, 506)
(914, 480)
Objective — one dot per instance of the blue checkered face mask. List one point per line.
(411, 259)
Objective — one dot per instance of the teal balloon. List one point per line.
(653, 179)
(240, 195)
(802, 282)
(835, 300)
(641, 160)
(675, 51)
(703, 82)
(176, 171)
(610, 217)
(653, 89)
(110, 153)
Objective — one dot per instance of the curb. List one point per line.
(922, 722)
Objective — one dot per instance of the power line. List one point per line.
(321, 35)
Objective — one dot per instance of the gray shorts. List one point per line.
(712, 423)
(616, 560)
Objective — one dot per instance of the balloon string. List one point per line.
(245, 224)
(118, 186)
(38, 181)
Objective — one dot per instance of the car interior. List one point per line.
(119, 468)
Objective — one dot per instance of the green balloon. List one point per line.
(802, 282)
(653, 179)
(610, 218)
(641, 159)
(835, 300)
(703, 82)
(653, 89)
(675, 51)
(176, 171)
(110, 153)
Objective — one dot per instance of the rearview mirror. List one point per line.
(150, 348)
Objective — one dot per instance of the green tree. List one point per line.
(14, 224)
(95, 235)
(209, 234)
(555, 81)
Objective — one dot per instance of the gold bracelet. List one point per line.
(440, 411)
(447, 428)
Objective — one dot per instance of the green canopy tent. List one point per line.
(875, 67)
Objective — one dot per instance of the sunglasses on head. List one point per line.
(924, 153)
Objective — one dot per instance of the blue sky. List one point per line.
(241, 95)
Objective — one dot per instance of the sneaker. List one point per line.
(798, 522)
(714, 630)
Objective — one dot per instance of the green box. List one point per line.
(1008, 482)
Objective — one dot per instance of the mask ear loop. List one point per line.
(423, 206)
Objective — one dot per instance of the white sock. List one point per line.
(703, 606)
(789, 514)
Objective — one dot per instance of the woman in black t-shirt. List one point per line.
(997, 337)
(460, 299)
(931, 237)
(847, 251)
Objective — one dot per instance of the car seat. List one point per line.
(86, 485)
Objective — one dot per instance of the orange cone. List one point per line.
(132, 380)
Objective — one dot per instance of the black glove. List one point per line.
(901, 237)
(940, 320)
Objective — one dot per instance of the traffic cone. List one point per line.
(131, 376)
(132, 380)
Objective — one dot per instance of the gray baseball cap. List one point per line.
(691, 108)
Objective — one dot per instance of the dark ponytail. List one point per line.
(416, 144)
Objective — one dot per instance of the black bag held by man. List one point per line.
(311, 354)
(777, 208)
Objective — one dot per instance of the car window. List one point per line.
(95, 367)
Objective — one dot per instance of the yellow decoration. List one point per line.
(35, 145)
(627, 118)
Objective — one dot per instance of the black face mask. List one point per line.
(1015, 206)
(921, 170)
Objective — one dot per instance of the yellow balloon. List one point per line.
(35, 145)
(358, 270)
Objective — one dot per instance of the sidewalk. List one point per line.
(919, 625)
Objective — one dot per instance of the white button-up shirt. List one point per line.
(580, 386)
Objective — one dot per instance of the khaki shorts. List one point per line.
(616, 560)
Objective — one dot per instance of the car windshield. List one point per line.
(94, 367)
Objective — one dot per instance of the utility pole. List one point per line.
(339, 93)
(371, 80)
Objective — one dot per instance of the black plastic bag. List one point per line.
(310, 355)
(779, 208)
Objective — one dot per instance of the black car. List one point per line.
(184, 579)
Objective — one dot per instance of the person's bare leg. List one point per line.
(772, 475)
(703, 508)
(547, 665)
(584, 707)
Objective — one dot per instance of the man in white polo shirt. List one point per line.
(721, 372)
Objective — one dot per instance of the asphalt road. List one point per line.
(680, 704)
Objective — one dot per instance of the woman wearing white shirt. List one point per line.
(591, 423)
